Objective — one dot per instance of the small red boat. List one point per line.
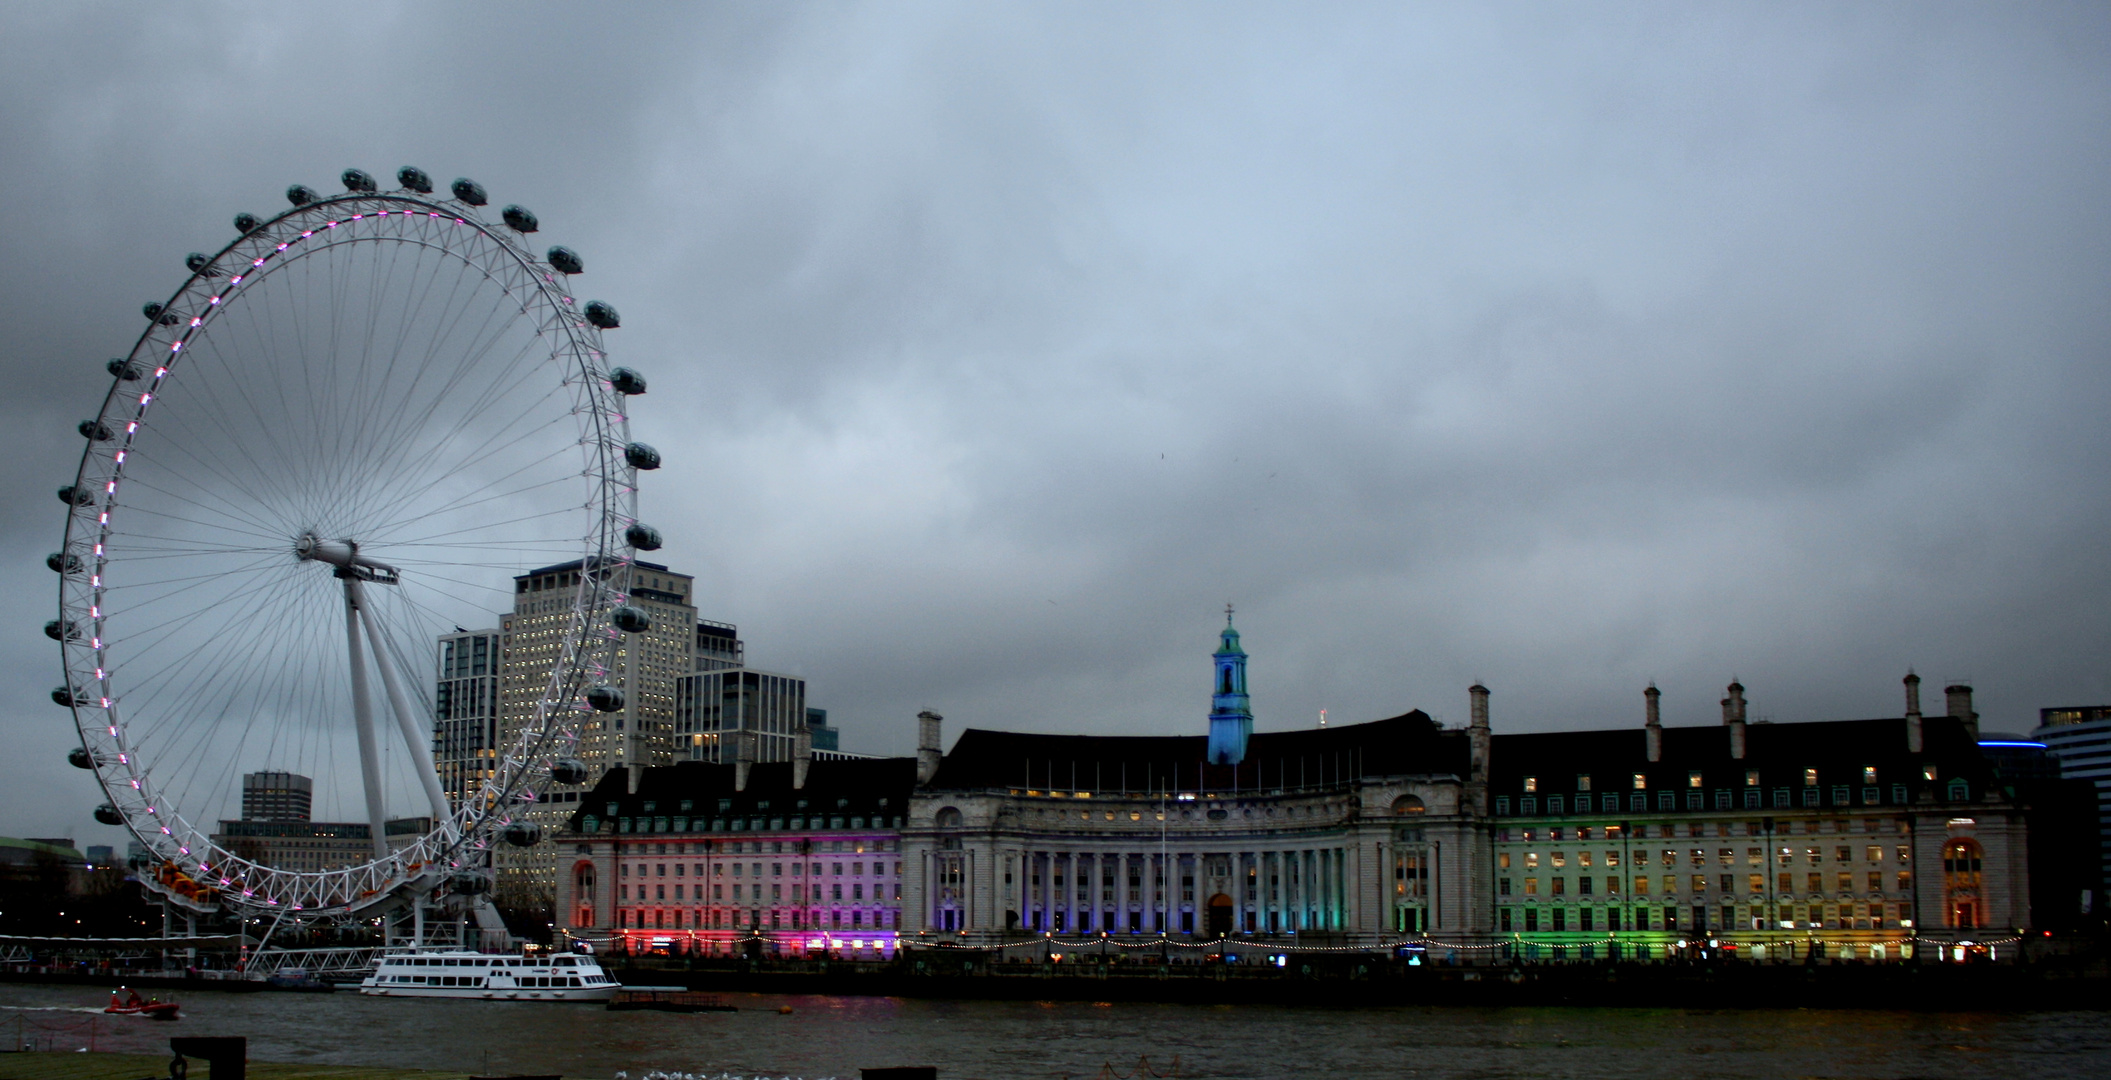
(127, 1002)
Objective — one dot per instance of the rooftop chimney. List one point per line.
(1913, 733)
(1734, 718)
(927, 739)
(802, 753)
(1477, 735)
(1653, 723)
(1960, 697)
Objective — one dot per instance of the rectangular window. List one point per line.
(1700, 883)
(1693, 779)
(1583, 885)
(1642, 884)
(1583, 782)
(1815, 881)
(1531, 886)
(1531, 783)
(1905, 881)
(1561, 918)
(1502, 860)
(1641, 782)
(1502, 886)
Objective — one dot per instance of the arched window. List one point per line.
(1409, 804)
(1227, 680)
(949, 817)
(1961, 863)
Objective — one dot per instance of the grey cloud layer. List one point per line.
(994, 349)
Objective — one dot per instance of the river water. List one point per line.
(836, 1036)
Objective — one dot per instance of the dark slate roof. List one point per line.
(1410, 744)
(1838, 749)
(836, 787)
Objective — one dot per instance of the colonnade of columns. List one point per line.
(1077, 889)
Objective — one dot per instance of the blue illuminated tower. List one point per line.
(1231, 716)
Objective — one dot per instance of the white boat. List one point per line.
(490, 976)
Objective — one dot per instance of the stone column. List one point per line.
(1121, 893)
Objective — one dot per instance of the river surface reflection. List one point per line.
(836, 1036)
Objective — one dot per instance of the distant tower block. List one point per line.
(1231, 714)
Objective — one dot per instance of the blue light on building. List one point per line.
(1231, 714)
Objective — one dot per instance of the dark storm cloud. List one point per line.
(993, 350)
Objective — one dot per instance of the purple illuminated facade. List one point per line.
(777, 858)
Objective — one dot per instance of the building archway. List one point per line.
(1409, 804)
(1219, 916)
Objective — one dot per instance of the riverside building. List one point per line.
(687, 695)
(1849, 838)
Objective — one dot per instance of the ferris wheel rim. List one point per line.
(230, 880)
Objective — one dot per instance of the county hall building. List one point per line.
(1839, 838)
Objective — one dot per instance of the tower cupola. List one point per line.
(1231, 713)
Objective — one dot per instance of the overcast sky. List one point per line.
(994, 348)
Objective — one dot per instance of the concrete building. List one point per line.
(313, 845)
(274, 829)
(277, 796)
(646, 668)
(465, 733)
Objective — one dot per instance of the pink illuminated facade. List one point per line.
(772, 859)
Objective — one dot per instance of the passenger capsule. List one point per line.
(63, 562)
(469, 191)
(519, 218)
(301, 195)
(625, 381)
(568, 771)
(630, 620)
(74, 495)
(108, 815)
(125, 370)
(58, 630)
(566, 261)
(159, 314)
(523, 834)
(200, 263)
(80, 758)
(94, 429)
(602, 314)
(246, 223)
(414, 179)
(65, 696)
(641, 456)
(469, 883)
(642, 536)
(357, 180)
(605, 699)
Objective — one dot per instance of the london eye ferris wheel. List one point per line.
(342, 436)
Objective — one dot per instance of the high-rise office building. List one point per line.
(646, 668)
(465, 711)
(276, 796)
